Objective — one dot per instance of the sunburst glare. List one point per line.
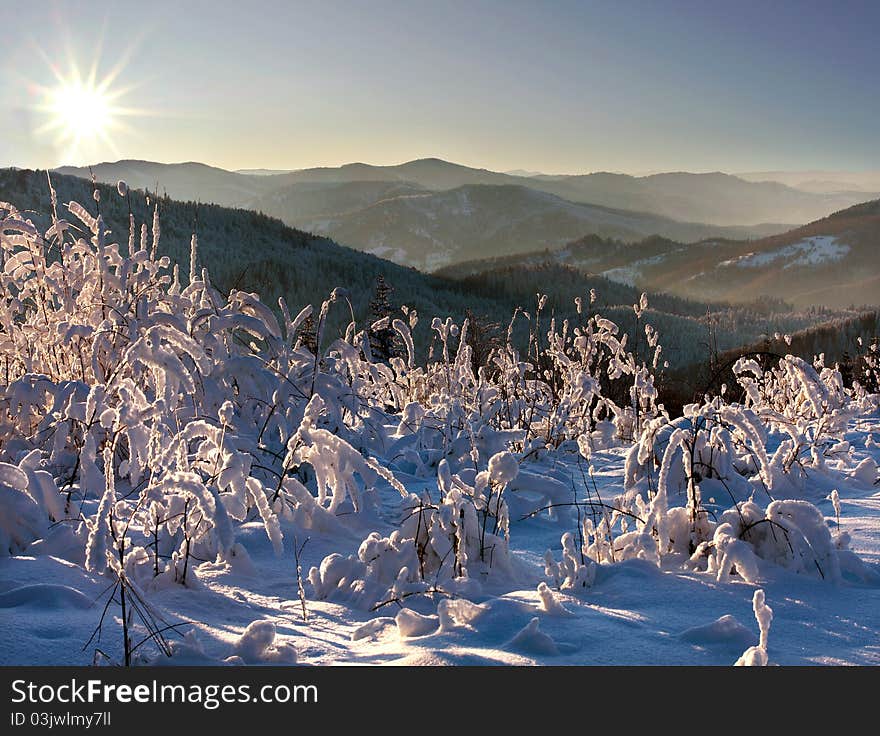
(83, 114)
(81, 110)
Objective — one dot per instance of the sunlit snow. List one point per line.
(808, 252)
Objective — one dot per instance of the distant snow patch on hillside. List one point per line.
(808, 252)
(822, 249)
(629, 275)
(625, 275)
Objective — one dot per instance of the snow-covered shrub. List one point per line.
(441, 545)
(29, 501)
(805, 407)
(193, 405)
(575, 570)
(757, 656)
(789, 533)
(682, 474)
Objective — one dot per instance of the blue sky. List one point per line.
(550, 86)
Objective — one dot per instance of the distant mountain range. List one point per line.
(432, 214)
(832, 261)
(821, 182)
(412, 212)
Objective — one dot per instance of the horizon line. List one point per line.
(279, 170)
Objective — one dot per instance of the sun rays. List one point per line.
(83, 114)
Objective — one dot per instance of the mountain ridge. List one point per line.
(732, 201)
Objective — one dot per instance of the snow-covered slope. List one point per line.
(634, 613)
(832, 261)
(808, 252)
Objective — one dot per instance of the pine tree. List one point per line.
(308, 336)
(483, 336)
(384, 341)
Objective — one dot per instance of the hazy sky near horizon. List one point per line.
(559, 87)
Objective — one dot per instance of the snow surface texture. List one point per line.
(266, 505)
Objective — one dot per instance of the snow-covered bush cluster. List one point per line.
(144, 416)
(131, 394)
(729, 485)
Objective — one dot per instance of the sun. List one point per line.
(80, 110)
(81, 113)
